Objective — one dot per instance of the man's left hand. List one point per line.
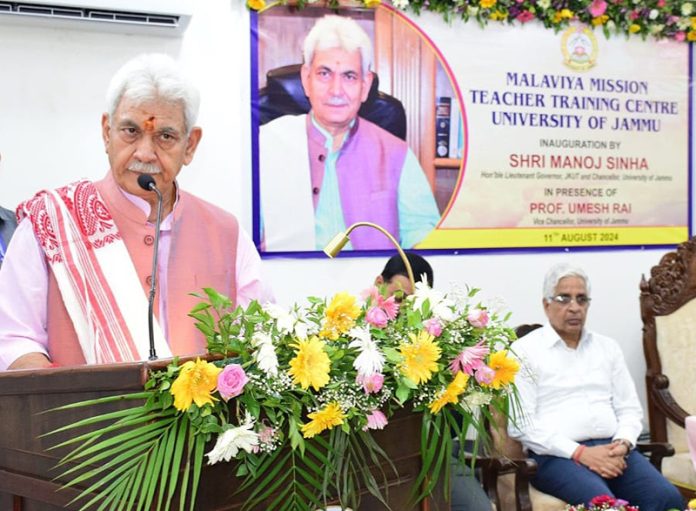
(619, 447)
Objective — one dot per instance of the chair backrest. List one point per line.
(668, 310)
(691, 437)
(284, 95)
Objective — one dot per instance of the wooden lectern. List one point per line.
(27, 466)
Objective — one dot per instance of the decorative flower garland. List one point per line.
(662, 19)
(291, 398)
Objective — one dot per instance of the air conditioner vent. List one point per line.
(145, 14)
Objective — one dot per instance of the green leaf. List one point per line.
(264, 484)
(177, 456)
(198, 454)
(392, 355)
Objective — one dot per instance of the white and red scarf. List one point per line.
(96, 277)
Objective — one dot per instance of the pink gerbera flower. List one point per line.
(383, 309)
(470, 359)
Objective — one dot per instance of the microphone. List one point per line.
(147, 182)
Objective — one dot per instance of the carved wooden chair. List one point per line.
(506, 447)
(668, 309)
(495, 469)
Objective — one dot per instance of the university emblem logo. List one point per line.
(579, 48)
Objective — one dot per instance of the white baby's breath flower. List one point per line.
(400, 4)
(265, 354)
(371, 359)
(497, 306)
(231, 441)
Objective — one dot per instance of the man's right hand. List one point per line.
(31, 361)
(603, 461)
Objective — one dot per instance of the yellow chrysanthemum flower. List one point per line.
(505, 369)
(311, 365)
(451, 393)
(691, 35)
(340, 316)
(195, 383)
(567, 14)
(498, 15)
(256, 5)
(420, 357)
(693, 23)
(600, 20)
(487, 4)
(633, 28)
(372, 3)
(331, 415)
(692, 504)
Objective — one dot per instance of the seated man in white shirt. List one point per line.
(580, 412)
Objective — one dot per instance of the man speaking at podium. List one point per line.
(76, 276)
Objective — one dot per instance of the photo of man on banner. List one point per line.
(326, 161)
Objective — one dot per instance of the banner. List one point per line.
(526, 137)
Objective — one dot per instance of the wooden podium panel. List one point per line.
(27, 466)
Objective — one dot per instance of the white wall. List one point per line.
(51, 100)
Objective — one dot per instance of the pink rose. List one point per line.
(484, 375)
(376, 317)
(376, 420)
(372, 383)
(433, 327)
(680, 36)
(478, 318)
(231, 381)
(600, 500)
(525, 16)
(661, 3)
(597, 8)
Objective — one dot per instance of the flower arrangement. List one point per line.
(603, 503)
(663, 19)
(291, 397)
(608, 503)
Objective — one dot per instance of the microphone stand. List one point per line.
(342, 238)
(147, 182)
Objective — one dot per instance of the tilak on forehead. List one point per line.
(149, 124)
